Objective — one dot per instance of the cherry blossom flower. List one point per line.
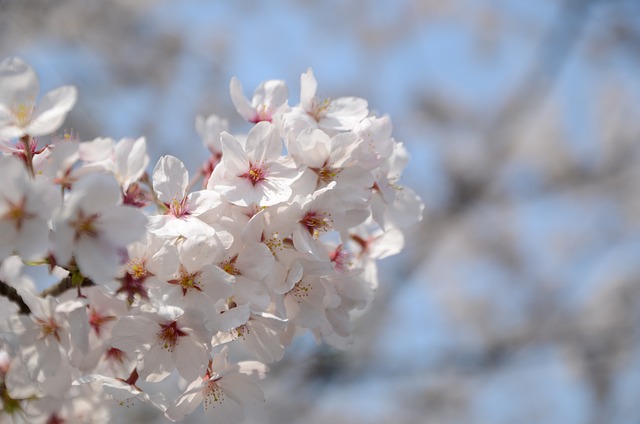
(20, 114)
(268, 99)
(341, 114)
(94, 228)
(25, 209)
(248, 266)
(166, 340)
(183, 209)
(254, 174)
(224, 390)
(259, 334)
(122, 391)
(198, 283)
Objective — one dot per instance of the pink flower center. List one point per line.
(179, 208)
(188, 281)
(116, 355)
(48, 327)
(257, 172)
(212, 394)
(17, 213)
(262, 114)
(319, 108)
(85, 225)
(169, 335)
(315, 222)
(300, 291)
(229, 266)
(341, 258)
(22, 113)
(97, 321)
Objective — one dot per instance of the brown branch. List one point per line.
(64, 285)
(12, 294)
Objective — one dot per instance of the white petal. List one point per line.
(263, 143)
(170, 179)
(8, 129)
(97, 261)
(243, 388)
(122, 225)
(51, 110)
(191, 358)
(225, 410)
(186, 405)
(18, 82)
(308, 87)
(95, 192)
(234, 159)
(241, 103)
(255, 261)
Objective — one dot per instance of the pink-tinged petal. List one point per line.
(234, 159)
(132, 333)
(195, 252)
(239, 100)
(191, 358)
(98, 149)
(51, 351)
(345, 113)
(303, 241)
(223, 410)
(314, 147)
(234, 317)
(122, 225)
(240, 192)
(203, 201)
(52, 110)
(254, 369)
(79, 330)
(14, 177)
(18, 83)
(406, 210)
(96, 192)
(255, 261)
(209, 130)
(251, 291)
(97, 261)
(8, 129)
(390, 243)
(263, 143)
(62, 243)
(272, 93)
(155, 364)
(170, 179)
(342, 147)
(243, 388)
(131, 159)
(308, 87)
(164, 262)
(220, 361)
(273, 191)
(33, 241)
(185, 405)
(216, 282)
(265, 342)
(121, 391)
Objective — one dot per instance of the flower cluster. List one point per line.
(155, 279)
